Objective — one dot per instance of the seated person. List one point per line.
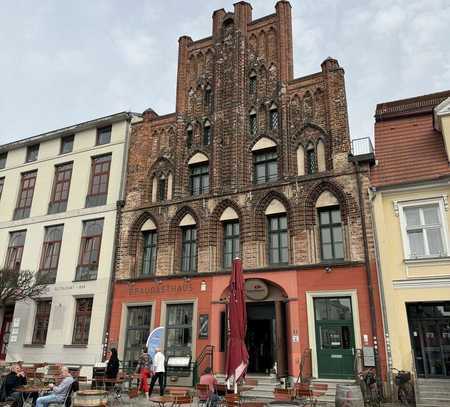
(14, 379)
(59, 392)
(208, 378)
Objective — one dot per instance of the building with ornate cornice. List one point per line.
(257, 164)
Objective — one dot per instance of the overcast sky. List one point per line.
(65, 62)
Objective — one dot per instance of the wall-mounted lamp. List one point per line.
(203, 286)
(328, 269)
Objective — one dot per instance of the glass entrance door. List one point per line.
(429, 325)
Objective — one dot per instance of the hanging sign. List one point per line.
(256, 289)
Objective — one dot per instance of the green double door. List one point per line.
(335, 337)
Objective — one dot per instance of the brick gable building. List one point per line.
(255, 163)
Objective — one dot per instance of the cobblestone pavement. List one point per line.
(143, 402)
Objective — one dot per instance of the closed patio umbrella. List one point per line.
(237, 355)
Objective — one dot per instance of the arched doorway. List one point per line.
(266, 326)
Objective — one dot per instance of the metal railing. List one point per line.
(204, 360)
(362, 146)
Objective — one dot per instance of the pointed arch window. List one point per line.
(252, 122)
(189, 136)
(231, 236)
(277, 233)
(162, 187)
(149, 239)
(208, 97)
(207, 133)
(311, 159)
(331, 236)
(199, 174)
(273, 117)
(252, 83)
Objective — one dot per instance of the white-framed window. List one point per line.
(424, 229)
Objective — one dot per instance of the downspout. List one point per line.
(372, 196)
(373, 321)
(119, 205)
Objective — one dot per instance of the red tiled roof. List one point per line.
(407, 148)
(410, 107)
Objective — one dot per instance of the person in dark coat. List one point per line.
(14, 379)
(112, 366)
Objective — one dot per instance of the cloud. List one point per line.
(67, 62)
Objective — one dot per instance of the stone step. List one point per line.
(430, 393)
(431, 402)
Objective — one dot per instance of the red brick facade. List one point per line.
(312, 110)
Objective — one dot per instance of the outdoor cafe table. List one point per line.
(27, 390)
(162, 400)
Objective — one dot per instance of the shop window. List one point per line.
(149, 252)
(32, 153)
(61, 187)
(98, 186)
(231, 238)
(15, 250)
(265, 165)
(89, 250)
(82, 323)
(278, 239)
(103, 135)
(25, 198)
(424, 230)
(66, 144)
(179, 329)
(41, 322)
(138, 328)
(50, 252)
(189, 249)
(331, 236)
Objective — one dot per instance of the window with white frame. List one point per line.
(423, 229)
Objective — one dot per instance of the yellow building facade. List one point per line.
(409, 199)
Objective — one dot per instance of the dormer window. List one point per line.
(207, 133)
(252, 122)
(273, 117)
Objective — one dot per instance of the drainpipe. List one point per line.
(373, 320)
(119, 205)
(372, 196)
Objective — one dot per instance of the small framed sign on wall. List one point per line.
(203, 326)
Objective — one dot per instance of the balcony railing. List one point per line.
(362, 150)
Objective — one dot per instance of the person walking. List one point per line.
(159, 370)
(112, 366)
(59, 393)
(143, 368)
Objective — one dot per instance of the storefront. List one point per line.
(287, 312)
(429, 325)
